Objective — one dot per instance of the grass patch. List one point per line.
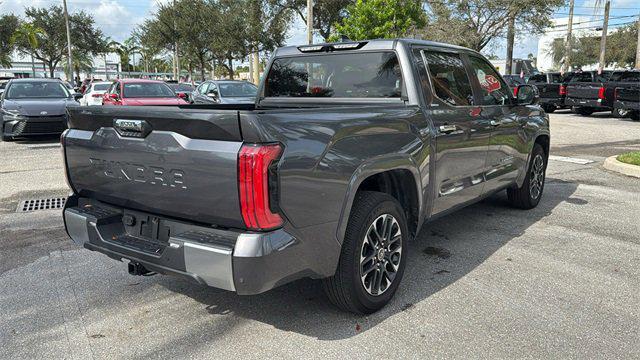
(632, 158)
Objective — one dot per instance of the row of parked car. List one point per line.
(38, 106)
(586, 92)
(155, 92)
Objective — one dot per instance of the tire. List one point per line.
(584, 111)
(619, 113)
(347, 289)
(529, 194)
(634, 115)
(548, 108)
(6, 138)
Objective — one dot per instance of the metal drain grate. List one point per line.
(41, 204)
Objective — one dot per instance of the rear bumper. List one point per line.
(557, 102)
(247, 263)
(589, 103)
(627, 105)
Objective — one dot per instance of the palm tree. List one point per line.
(30, 34)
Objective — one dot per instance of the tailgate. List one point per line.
(549, 90)
(629, 93)
(583, 91)
(170, 161)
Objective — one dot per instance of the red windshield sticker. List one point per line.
(490, 83)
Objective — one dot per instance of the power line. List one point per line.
(594, 27)
(591, 21)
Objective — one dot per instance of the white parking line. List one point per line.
(570, 160)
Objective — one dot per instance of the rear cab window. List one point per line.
(539, 78)
(351, 75)
(581, 77)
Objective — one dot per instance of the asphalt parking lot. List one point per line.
(560, 281)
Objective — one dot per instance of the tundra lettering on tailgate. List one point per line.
(152, 175)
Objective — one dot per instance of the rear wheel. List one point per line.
(548, 108)
(619, 113)
(529, 194)
(6, 138)
(373, 255)
(635, 115)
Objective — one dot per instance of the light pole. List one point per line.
(69, 61)
(309, 22)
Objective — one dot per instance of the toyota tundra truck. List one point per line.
(348, 151)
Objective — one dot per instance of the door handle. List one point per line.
(447, 129)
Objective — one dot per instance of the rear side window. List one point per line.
(539, 78)
(581, 77)
(494, 90)
(449, 78)
(358, 75)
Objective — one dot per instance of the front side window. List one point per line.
(449, 78)
(147, 90)
(356, 75)
(36, 89)
(494, 91)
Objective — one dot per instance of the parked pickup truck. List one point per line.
(589, 92)
(627, 101)
(349, 149)
(552, 88)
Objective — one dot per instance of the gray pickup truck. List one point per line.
(349, 149)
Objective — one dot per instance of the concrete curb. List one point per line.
(611, 163)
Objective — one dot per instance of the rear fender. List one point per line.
(372, 167)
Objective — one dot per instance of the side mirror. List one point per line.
(77, 96)
(526, 94)
(113, 96)
(213, 94)
(182, 96)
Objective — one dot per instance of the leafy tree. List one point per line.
(373, 19)
(326, 13)
(52, 46)
(475, 23)
(621, 48)
(8, 25)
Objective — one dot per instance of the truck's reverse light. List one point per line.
(253, 181)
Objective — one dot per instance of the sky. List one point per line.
(117, 18)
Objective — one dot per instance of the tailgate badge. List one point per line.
(132, 128)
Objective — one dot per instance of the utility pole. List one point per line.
(566, 66)
(66, 20)
(603, 39)
(309, 22)
(638, 46)
(256, 67)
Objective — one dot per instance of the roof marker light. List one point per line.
(348, 46)
(311, 48)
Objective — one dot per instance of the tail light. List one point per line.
(257, 185)
(515, 92)
(562, 90)
(601, 93)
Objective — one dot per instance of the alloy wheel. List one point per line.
(380, 254)
(536, 180)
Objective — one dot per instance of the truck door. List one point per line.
(507, 151)
(462, 136)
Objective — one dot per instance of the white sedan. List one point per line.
(94, 92)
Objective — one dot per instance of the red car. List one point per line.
(139, 92)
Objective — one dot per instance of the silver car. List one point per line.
(224, 92)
